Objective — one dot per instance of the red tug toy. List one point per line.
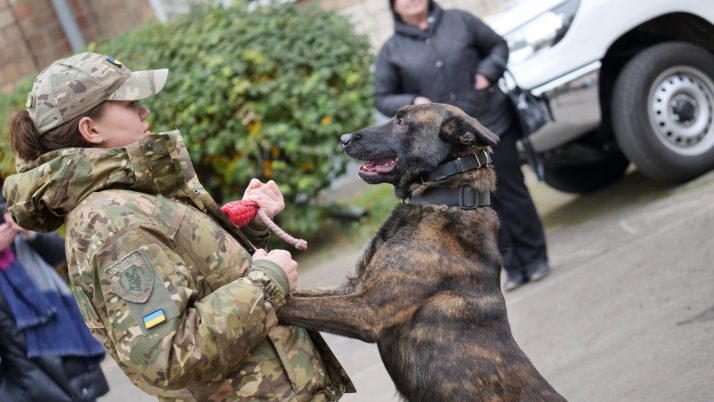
(243, 211)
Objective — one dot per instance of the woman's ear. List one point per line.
(87, 128)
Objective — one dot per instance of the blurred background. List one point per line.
(264, 90)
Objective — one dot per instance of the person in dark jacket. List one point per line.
(450, 56)
(44, 355)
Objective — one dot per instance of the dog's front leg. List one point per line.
(386, 296)
(319, 292)
(345, 315)
(344, 289)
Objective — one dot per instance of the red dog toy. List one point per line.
(243, 211)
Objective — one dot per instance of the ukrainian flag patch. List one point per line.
(154, 319)
(114, 61)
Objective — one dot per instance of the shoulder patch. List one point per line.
(132, 277)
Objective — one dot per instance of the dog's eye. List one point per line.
(401, 122)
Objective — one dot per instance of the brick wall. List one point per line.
(16, 60)
(31, 36)
(374, 18)
(107, 18)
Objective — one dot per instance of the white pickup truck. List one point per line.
(627, 81)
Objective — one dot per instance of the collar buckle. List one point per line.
(467, 197)
(478, 161)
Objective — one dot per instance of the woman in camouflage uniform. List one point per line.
(164, 280)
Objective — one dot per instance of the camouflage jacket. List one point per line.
(164, 280)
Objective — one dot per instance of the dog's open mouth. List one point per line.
(378, 166)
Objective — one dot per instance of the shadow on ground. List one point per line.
(634, 188)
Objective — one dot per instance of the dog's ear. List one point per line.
(466, 130)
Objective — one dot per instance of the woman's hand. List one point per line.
(481, 82)
(267, 196)
(26, 234)
(421, 100)
(283, 259)
(8, 231)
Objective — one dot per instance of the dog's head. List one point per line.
(417, 140)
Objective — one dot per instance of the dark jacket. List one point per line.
(48, 378)
(441, 63)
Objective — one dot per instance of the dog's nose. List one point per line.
(347, 138)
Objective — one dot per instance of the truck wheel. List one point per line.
(588, 177)
(663, 111)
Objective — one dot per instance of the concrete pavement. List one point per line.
(627, 314)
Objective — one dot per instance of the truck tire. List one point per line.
(663, 111)
(586, 178)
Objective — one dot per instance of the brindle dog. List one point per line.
(427, 288)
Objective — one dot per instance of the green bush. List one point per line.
(263, 93)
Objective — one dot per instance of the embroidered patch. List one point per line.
(132, 277)
(154, 319)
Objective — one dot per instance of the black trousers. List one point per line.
(520, 238)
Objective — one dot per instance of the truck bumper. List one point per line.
(575, 103)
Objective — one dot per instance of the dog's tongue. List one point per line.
(378, 166)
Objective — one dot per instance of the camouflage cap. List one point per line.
(70, 87)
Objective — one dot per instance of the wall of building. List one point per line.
(374, 18)
(31, 36)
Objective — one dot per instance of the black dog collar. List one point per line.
(465, 197)
(459, 165)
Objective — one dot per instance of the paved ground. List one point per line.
(627, 315)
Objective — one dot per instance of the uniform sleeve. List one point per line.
(492, 47)
(388, 96)
(200, 338)
(257, 233)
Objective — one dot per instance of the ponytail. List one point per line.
(24, 137)
(28, 144)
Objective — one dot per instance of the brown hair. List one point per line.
(29, 144)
